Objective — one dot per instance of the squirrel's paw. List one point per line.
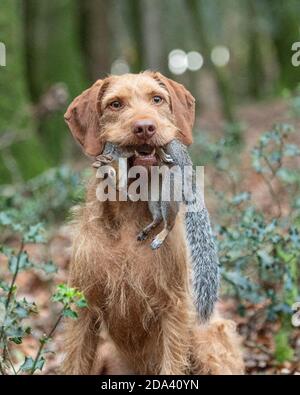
(102, 160)
(142, 236)
(164, 156)
(156, 243)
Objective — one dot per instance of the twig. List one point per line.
(10, 361)
(2, 371)
(15, 275)
(273, 194)
(7, 302)
(43, 342)
(12, 165)
(260, 347)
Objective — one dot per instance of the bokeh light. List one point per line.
(220, 56)
(195, 60)
(178, 62)
(119, 67)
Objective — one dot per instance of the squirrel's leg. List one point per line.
(155, 210)
(164, 157)
(169, 212)
(106, 157)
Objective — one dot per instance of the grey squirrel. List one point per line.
(202, 249)
(161, 211)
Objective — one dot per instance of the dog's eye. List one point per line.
(115, 105)
(157, 99)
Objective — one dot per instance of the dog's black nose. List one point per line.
(144, 128)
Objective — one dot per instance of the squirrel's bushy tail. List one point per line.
(203, 252)
(204, 260)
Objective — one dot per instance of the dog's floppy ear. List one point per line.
(83, 118)
(182, 106)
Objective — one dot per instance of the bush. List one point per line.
(18, 212)
(259, 251)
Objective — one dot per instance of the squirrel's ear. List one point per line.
(83, 118)
(182, 106)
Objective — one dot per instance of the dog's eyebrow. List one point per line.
(159, 92)
(163, 87)
(110, 98)
(161, 84)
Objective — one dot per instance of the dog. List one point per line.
(141, 318)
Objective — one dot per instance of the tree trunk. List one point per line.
(21, 154)
(135, 25)
(152, 33)
(284, 18)
(256, 74)
(96, 37)
(51, 35)
(194, 8)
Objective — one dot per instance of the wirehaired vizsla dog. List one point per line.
(141, 316)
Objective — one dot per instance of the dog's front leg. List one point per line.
(80, 344)
(176, 333)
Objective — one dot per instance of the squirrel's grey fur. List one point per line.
(203, 253)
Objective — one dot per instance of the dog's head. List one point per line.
(142, 111)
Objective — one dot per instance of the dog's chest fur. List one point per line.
(129, 278)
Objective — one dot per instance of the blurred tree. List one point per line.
(284, 20)
(256, 74)
(195, 8)
(134, 21)
(95, 36)
(21, 154)
(55, 47)
(152, 32)
(51, 37)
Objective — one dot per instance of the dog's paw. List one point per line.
(142, 236)
(156, 243)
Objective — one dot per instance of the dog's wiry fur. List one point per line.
(141, 317)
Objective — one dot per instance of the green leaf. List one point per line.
(27, 364)
(265, 258)
(40, 364)
(2, 313)
(24, 262)
(5, 219)
(5, 286)
(70, 314)
(35, 234)
(283, 350)
(81, 303)
(21, 312)
(16, 340)
(242, 197)
(289, 176)
(291, 150)
(48, 267)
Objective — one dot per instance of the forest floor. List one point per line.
(257, 335)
